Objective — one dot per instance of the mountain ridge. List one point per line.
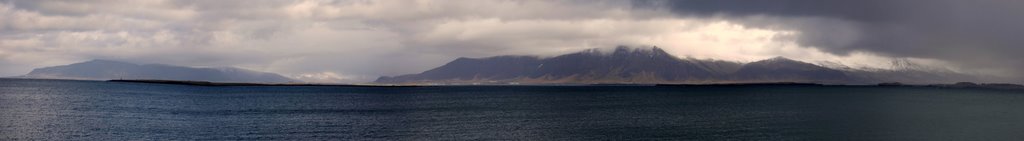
(651, 66)
(99, 69)
(640, 65)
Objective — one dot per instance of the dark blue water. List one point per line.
(90, 110)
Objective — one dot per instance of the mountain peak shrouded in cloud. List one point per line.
(621, 65)
(358, 40)
(653, 66)
(108, 70)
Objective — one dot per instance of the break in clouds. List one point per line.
(359, 40)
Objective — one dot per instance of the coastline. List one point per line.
(968, 85)
(207, 83)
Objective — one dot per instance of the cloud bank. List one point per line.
(359, 40)
(978, 34)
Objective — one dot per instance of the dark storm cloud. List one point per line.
(972, 33)
(861, 10)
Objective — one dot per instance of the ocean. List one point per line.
(98, 110)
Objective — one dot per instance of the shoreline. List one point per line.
(207, 83)
(996, 86)
(960, 85)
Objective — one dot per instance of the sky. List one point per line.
(352, 41)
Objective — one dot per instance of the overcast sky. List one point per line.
(359, 40)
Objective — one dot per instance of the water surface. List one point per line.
(94, 110)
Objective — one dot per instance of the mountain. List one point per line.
(629, 65)
(903, 70)
(106, 70)
(623, 65)
(654, 65)
(781, 69)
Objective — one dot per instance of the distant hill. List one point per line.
(107, 70)
(652, 65)
(781, 69)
